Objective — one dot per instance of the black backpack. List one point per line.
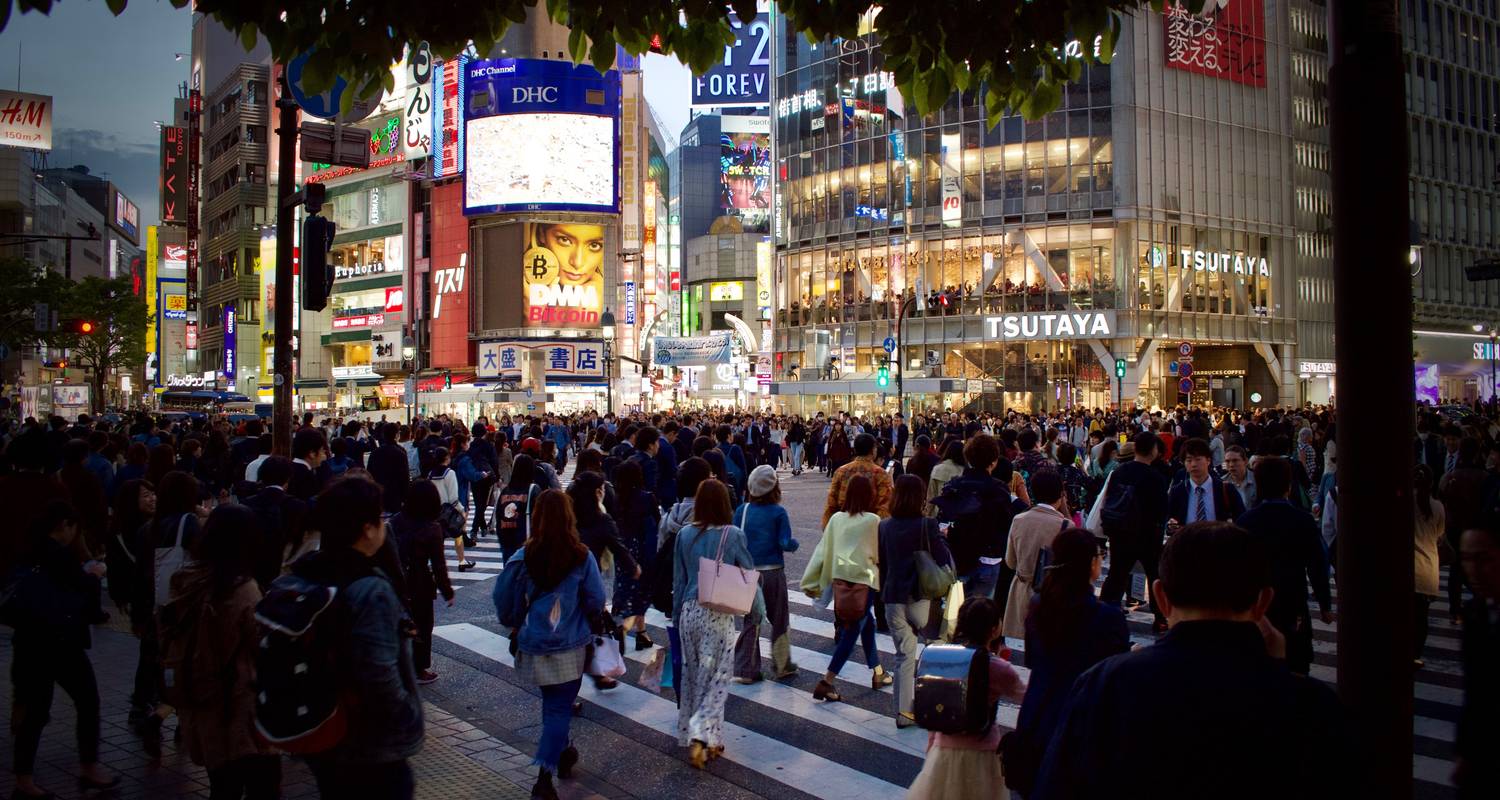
(298, 708)
(1121, 514)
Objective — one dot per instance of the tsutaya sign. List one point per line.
(1238, 263)
(1052, 325)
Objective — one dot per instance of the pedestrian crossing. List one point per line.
(853, 748)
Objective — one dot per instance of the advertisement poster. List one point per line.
(1427, 384)
(743, 78)
(447, 119)
(1227, 41)
(173, 180)
(540, 135)
(745, 171)
(693, 351)
(563, 272)
(230, 344)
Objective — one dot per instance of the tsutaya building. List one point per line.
(1154, 208)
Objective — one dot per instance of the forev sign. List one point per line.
(1051, 325)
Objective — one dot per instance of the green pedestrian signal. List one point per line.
(883, 377)
(1119, 368)
(448, 379)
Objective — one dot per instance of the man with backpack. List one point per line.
(334, 668)
(977, 510)
(1132, 516)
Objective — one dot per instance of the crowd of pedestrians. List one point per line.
(285, 606)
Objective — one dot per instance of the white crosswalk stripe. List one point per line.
(761, 746)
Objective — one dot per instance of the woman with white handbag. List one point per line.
(713, 580)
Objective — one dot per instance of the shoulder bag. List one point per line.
(726, 588)
(933, 581)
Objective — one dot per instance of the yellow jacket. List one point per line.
(848, 551)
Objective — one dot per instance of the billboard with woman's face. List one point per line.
(562, 271)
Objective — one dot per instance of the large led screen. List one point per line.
(534, 161)
(745, 172)
(562, 270)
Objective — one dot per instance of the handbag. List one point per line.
(650, 679)
(605, 660)
(168, 561)
(452, 518)
(849, 600)
(932, 580)
(726, 588)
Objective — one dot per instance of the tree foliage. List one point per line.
(25, 286)
(120, 317)
(1015, 51)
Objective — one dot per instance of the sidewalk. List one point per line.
(457, 760)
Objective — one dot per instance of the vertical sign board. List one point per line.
(648, 238)
(1227, 41)
(763, 251)
(447, 121)
(417, 139)
(743, 79)
(154, 313)
(953, 197)
(230, 344)
(173, 180)
(631, 162)
(195, 113)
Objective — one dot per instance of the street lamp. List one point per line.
(607, 324)
(409, 355)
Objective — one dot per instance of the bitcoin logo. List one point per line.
(539, 265)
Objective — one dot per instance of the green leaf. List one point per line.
(1043, 98)
(247, 34)
(939, 87)
(116, 7)
(578, 46)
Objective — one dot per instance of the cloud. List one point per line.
(130, 165)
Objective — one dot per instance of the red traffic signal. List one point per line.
(82, 326)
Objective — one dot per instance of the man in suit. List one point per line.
(681, 440)
(1202, 497)
(390, 467)
(734, 458)
(1477, 770)
(903, 433)
(1429, 446)
(309, 451)
(1298, 558)
(666, 466)
(281, 516)
(1213, 690)
(1138, 539)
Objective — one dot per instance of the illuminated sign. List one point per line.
(1225, 262)
(953, 197)
(194, 381)
(447, 123)
(190, 335)
(1483, 351)
(630, 302)
(385, 150)
(674, 281)
(541, 135)
(358, 321)
(565, 360)
(880, 214)
(173, 174)
(745, 172)
(363, 270)
(1227, 41)
(395, 299)
(174, 306)
(447, 281)
(355, 371)
(743, 78)
(230, 337)
(763, 253)
(1052, 325)
(726, 292)
(562, 270)
(126, 218)
(417, 141)
(25, 120)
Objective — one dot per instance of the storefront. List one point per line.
(1455, 366)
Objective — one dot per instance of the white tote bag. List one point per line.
(726, 588)
(169, 560)
(605, 659)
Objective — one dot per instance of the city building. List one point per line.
(1148, 224)
(1453, 108)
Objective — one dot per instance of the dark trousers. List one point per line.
(144, 695)
(481, 494)
(251, 777)
(389, 781)
(1421, 623)
(1456, 579)
(1296, 625)
(422, 616)
(747, 647)
(34, 669)
(1124, 554)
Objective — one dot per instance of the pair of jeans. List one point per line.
(862, 631)
(905, 620)
(35, 667)
(747, 647)
(392, 780)
(251, 777)
(557, 718)
(794, 455)
(982, 581)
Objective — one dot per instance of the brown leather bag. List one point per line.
(849, 600)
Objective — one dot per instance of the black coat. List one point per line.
(419, 547)
(282, 518)
(1210, 712)
(900, 539)
(390, 468)
(1479, 722)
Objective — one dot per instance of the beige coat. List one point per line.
(1029, 534)
(942, 473)
(222, 731)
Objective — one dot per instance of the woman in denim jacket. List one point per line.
(566, 592)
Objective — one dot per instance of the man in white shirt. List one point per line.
(1203, 497)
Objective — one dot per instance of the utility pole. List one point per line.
(286, 220)
(1372, 281)
(906, 304)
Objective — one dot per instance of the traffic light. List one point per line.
(883, 377)
(317, 273)
(1119, 368)
(82, 326)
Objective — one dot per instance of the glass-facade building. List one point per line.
(1153, 208)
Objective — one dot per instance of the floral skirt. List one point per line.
(707, 662)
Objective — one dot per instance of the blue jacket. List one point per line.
(666, 475)
(650, 471)
(468, 473)
(768, 533)
(577, 597)
(694, 543)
